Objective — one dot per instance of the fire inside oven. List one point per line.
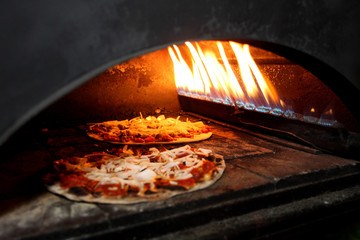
(284, 134)
(225, 80)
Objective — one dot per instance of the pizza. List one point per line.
(126, 176)
(149, 130)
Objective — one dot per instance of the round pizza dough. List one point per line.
(161, 194)
(196, 138)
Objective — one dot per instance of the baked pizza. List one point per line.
(125, 176)
(149, 130)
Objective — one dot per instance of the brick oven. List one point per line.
(292, 161)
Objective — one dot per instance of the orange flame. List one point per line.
(213, 78)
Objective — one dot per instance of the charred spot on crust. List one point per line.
(78, 191)
(214, 158)
(132, 190)
(218, 160)
(96, 194)
(148, 192)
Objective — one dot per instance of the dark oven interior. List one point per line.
(292, 164)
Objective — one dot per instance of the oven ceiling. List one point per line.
(51, 47)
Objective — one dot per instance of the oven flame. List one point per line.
(226, 73)
(211, 77)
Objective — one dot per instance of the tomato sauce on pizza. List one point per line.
(149, 130)
(122, 176)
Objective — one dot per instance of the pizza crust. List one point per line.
(161, 194)
(196, 138)
(139, 128)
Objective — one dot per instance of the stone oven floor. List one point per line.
(267, 187)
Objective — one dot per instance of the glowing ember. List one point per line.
(211, 77)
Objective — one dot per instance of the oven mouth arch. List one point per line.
(310, 63)
(292, 56)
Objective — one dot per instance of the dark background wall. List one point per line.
(50, 47)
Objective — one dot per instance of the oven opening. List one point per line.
(235, 83)
(290, 144)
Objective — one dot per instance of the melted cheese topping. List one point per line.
(139, 170)
(152, 126)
